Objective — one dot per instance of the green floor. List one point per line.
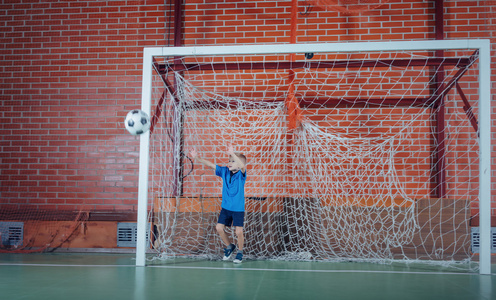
(113, 276)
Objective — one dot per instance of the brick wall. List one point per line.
(70, 71)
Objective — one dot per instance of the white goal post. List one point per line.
(484, 116)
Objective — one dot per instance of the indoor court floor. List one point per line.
(114, 276)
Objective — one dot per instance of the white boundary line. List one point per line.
(62, 265)
(240, 268)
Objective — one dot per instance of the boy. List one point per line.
(233, 199)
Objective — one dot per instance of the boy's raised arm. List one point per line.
(230, 151)
(207, 163)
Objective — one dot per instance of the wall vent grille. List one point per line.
(127, 234)
(475, 239)
(12, 233)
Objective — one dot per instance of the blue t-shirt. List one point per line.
(233, 188)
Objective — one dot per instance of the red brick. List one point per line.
(88, 42)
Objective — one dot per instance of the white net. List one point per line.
(378, 166)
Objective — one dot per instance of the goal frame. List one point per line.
(484, 93)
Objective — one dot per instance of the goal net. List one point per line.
(352, 155)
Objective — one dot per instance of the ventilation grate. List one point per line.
(475, 239)
(127, 234)
(12, 233)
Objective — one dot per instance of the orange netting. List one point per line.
(47, 233)
(292, 105)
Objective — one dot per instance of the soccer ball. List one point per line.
(137, 122)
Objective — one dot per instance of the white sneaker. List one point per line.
(228, 252)
(238, 259)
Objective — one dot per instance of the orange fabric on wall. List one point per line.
(348, 6)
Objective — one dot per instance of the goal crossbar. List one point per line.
(348, 64)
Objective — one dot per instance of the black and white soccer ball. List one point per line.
(137, 122)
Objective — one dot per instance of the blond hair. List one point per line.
(242, 157)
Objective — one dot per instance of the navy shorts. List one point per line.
(234, 218)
